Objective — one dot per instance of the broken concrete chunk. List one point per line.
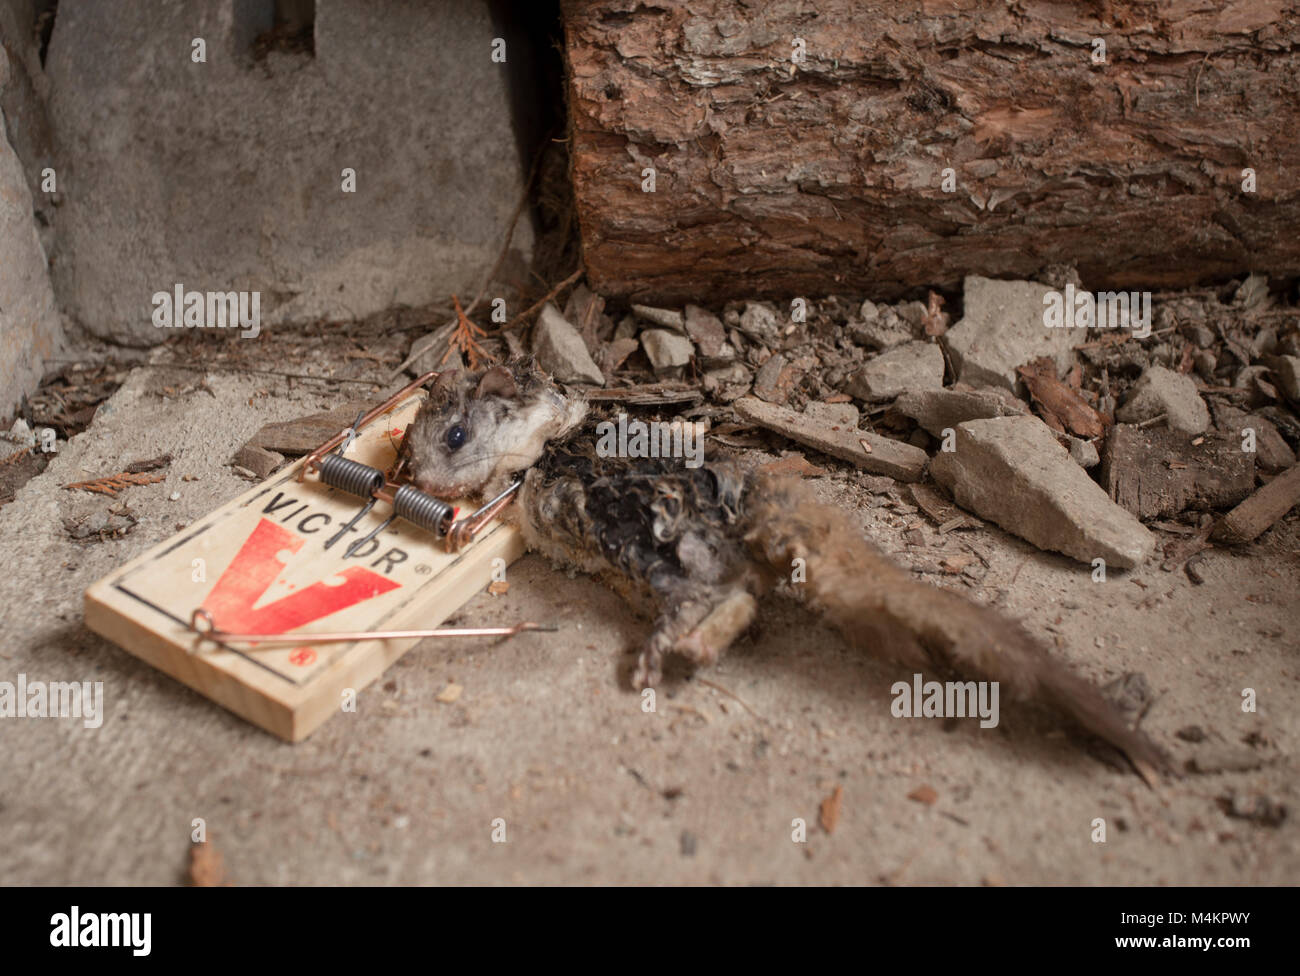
(667, 318)
(1012, 471)
(666, 350)
(709, 335)
(1157, 472)
(1162, 391)
(560, 349)
(870, 452)
(936, 410)
(914, 366)
(1003, 327)
(760, 323)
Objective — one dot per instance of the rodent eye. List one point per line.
(456, 437)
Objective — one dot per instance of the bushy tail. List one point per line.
(878, 606)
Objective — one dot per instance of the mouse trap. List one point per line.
(310, 583)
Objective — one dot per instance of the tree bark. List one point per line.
(779, 177)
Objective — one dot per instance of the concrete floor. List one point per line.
(548, 737)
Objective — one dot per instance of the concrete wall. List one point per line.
(226, 175)
(30, 328)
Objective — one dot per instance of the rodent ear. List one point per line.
(497, 381)
(444, 381)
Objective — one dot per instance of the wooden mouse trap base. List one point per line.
(259, 565)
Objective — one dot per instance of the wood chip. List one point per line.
(924, 794)
(498, 587)
(1258, 512)
(881, 455)
(793, 463)
(830, 810)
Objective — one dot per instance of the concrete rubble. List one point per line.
(1012, 471)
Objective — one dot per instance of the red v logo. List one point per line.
(255, 568)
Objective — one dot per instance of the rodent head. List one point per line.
(477, 429)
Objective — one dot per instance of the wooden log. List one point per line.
(777, 176)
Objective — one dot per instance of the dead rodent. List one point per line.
(700, 544)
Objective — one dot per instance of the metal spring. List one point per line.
(350, 476)
(423, 510)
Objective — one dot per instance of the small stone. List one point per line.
(1286, 371)
(666, 350)
(759, 322)
(709, 336)
(1162, 391)
(1206, 363)
(664, 317)
(767, 382)
(560, 349)
(1084, 452)
(915, 366)
(627, 328)
(936, 410)
(1012, 471)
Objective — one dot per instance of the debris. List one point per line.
(1259, 809)
(560, 349)
(936, 410)
(303, 435)
(886, 456)
(759, 322)
(1004, 326)
(153, 464)
(615, 354)
(880, 328)
(1012, 471)
(1062, 407)
(666, 318)
(793, 463)
(449, 694)
(1260, 510)
(687, 844)
(842, 415)
(666, 350)
(647, 395)
(498, 587)
(709, 335)
(114, 483)
(1158, 472)
(914, 366)
(1286, 370)
(258, 461)
(830, 810)
(1162, 391)
(1226, 759)
(102, 525)
(924, 794)
(1191, 733)
(942, 512)
(774, 380)
(1084, 453)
